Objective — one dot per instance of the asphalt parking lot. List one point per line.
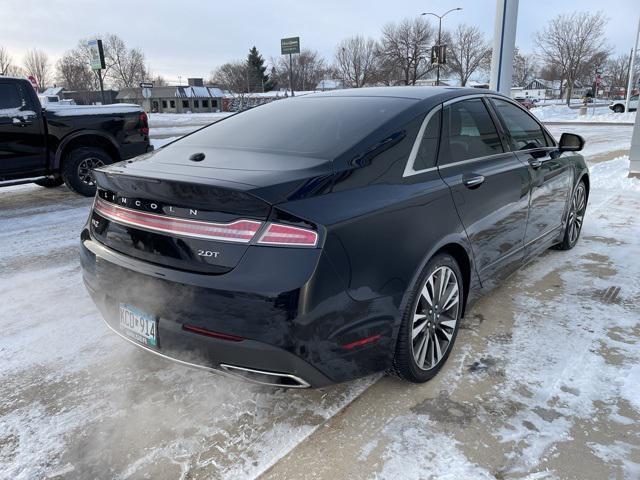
(543, 382)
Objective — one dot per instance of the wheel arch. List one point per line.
(88, 138)
(457, 247)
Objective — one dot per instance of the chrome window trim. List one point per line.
(408, 169)
(477, 159)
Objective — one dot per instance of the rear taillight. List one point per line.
(144, 123)
(239, 231)
(278, 234)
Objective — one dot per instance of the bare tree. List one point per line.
(405, 50)
(308, 69)
(616, 73)
(231, 76)
(468, 52)
(572, 42)
(355, 61)
(36, 63)
(127, 66)
(524, 68)
(73, 72)
(7, 67)
(158, 80)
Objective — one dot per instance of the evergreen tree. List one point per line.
(257, 80)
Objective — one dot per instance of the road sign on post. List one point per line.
(97, 61)
(146, 89)
(289, 46)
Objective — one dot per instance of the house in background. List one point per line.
(329, 84)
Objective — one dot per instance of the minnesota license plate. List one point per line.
(139, 326)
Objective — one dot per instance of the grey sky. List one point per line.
(191, 38)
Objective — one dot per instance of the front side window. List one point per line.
(468, 132)
(524, 132)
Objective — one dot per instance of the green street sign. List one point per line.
(290, 45)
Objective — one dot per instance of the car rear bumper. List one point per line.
(284, 339)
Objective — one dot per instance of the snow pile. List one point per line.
(181, 119)
(613, 175)
(562, 113)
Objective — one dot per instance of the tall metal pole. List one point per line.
(291, 74)
(439, 49)
(632, 69)
(101, 86)
(504, 42)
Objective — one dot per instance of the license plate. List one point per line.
(139, 326)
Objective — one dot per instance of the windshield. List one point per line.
(314, 126)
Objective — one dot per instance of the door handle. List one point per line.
(24, 123)
(472, 181)
(536, 163)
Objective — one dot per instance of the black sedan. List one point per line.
(321, 238)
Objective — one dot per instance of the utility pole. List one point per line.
(439, 47)
(632, 69)
(291, 74)
(504, 42)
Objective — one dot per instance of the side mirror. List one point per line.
(570, 142)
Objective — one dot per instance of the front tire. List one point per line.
(618, 109)
(77, 168)
(431, 320)
(575, 218)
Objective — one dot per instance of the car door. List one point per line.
(489, 185)
(551, 173)
(22, 141)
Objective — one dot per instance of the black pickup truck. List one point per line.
(63, 144)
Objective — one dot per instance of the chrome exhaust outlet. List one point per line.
(272, 379)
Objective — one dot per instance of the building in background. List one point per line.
(193, 98)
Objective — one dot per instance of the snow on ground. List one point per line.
(562, 113)
(177, 119)
(544, 377)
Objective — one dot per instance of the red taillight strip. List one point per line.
(239, 231)
(278, 234)
(210, 333)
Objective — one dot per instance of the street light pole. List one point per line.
(440, 17)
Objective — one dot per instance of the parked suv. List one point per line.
(62, 144)
(619, 106)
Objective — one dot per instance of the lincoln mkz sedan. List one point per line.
(321, 238)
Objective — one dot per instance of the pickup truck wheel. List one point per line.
(50, 182)
(77, 167)
(618, 109)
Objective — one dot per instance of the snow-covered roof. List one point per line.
(172, 91)
(329, 84)
(52, 91)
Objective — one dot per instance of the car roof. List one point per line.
(417, 93)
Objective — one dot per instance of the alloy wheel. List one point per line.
(576, 213)
(435, 318)
(86, 166)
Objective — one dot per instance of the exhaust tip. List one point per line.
(262, 377)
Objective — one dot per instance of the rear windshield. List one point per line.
(318, 126)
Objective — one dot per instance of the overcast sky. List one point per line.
(190, 38)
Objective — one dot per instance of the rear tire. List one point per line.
(575, 219)
(50, 182)
(618, 109)
(430, 321)
(77, 168)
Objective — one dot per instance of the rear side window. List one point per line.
(468, 132)
(428, 151)
(524, 132)
(10, 97)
